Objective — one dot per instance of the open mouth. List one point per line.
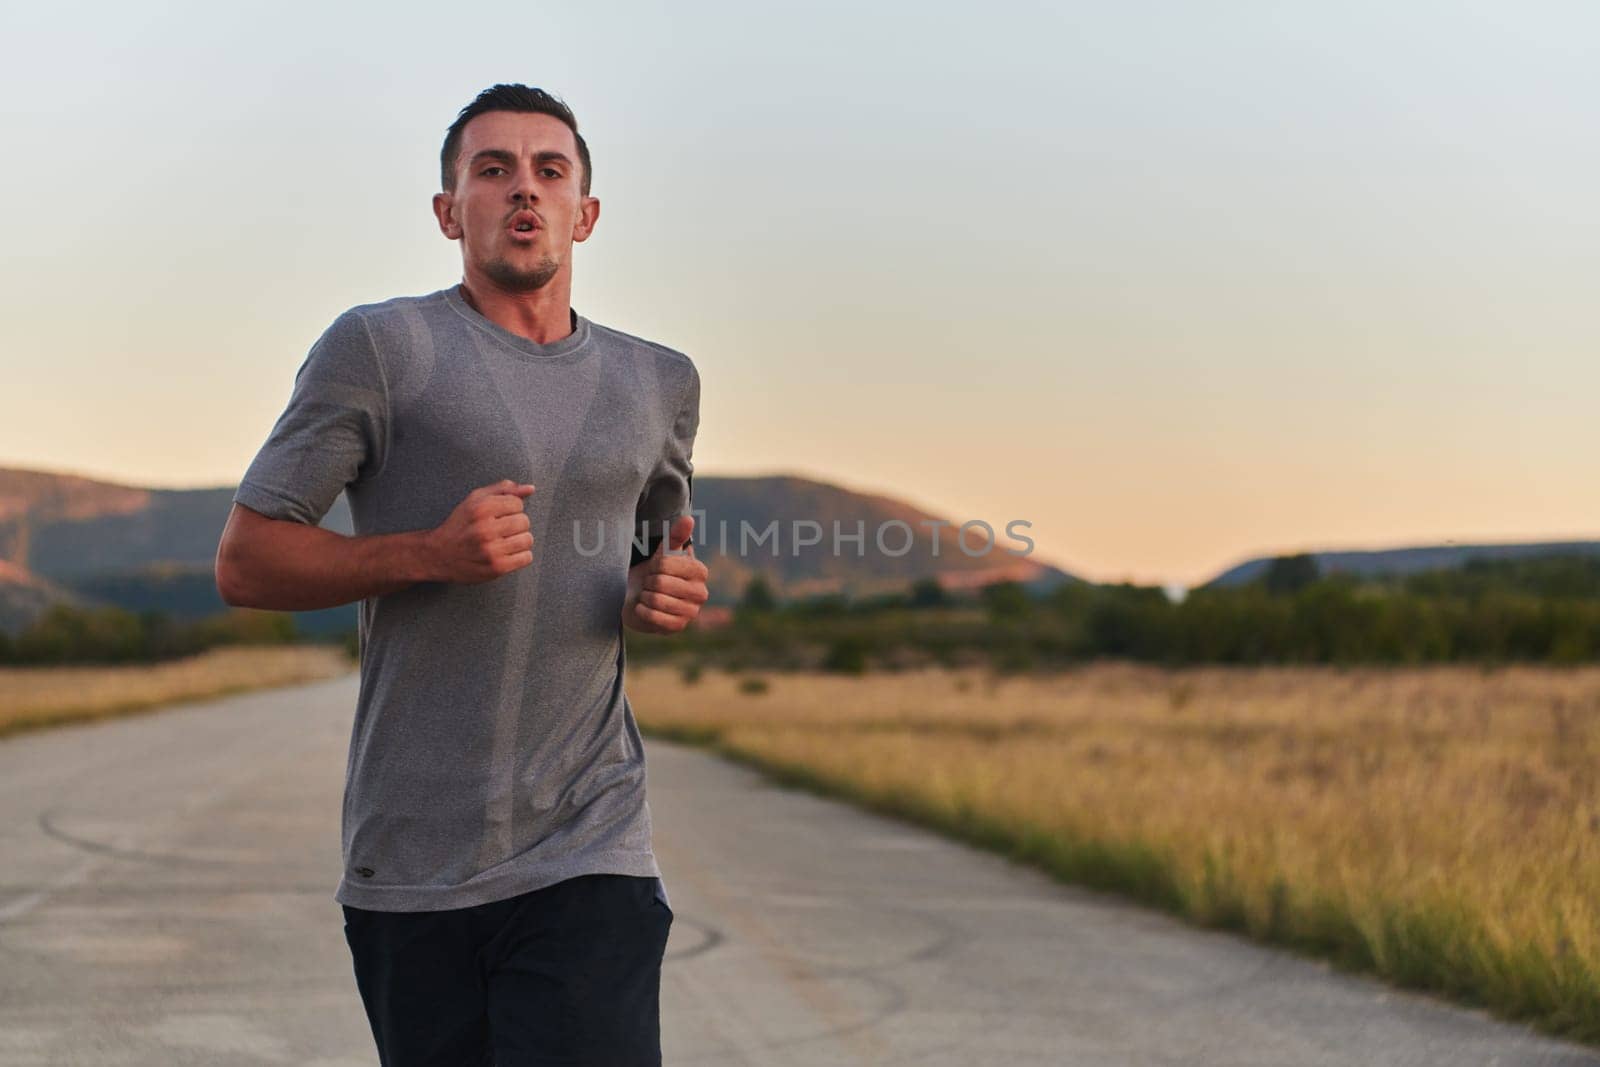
(524, 224)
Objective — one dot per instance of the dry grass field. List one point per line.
(33, 697)
(1438, 826)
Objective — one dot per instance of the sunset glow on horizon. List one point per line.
(1178, 286)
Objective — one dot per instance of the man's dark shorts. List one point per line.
(567, 974)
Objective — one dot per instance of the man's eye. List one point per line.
(486, 170)
(551, 172)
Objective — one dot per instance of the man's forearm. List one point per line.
(305, 568)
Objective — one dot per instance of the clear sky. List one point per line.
(1178, 283)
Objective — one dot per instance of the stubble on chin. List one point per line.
(515, 279)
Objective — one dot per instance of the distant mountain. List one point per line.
(753, 525)
(67, 538)
(1398, 562)
(63, 536)
(25, 596)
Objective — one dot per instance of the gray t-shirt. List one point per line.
(494, 750)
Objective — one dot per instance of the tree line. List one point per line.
(1539, 610)
(72, 634)
(1536, 610)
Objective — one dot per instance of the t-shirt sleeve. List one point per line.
(669, 491)
(333, 432)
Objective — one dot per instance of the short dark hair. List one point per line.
(505, 97)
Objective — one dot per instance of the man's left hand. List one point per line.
(665, 591)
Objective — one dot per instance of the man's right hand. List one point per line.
(485, 536)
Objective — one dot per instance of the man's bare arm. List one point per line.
(282, 565)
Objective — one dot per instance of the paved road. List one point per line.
(166, 899)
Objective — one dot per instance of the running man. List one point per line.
(520, 480)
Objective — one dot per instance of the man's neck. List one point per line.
(542, 316)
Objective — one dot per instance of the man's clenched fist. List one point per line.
(485, 536)
(665, 592)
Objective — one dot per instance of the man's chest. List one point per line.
(584, 433)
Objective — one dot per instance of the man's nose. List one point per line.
(525, 190)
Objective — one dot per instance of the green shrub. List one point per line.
(846, 655)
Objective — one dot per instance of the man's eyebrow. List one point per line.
(503, 155)
(500, 154)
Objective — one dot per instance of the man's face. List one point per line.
(518, 203)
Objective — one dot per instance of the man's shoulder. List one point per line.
(390, 330)
(396, 307)
(613, 336)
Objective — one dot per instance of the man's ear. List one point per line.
(442, 203)
(588, 215)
